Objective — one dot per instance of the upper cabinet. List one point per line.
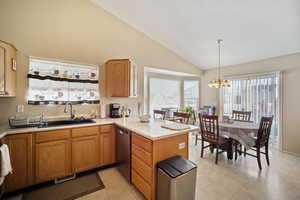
(121, 78)
(8, 68)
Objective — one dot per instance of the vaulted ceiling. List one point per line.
(251, 29)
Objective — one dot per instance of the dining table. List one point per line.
(243, 132)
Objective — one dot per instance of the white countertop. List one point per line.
(151, 130)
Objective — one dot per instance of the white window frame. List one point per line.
(181, 79)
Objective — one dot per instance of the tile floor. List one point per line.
(229, 180)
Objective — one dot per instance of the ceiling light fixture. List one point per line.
(219, 83)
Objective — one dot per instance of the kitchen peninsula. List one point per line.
(76, 148)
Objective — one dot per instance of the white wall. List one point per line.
(76, 30)
(290, 67)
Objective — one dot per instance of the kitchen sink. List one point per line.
(67, 122)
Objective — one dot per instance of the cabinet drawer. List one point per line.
(52, 135)
(142, 169)
(85, 131)
(142, 142)
(142, 154)
(106, 128)
(141, 185)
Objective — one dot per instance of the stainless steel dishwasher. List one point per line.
(124, 152)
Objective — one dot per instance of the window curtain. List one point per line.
(259, 94)
(52, 82)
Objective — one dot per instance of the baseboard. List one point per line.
(291, 153)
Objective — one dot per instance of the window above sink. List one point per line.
(56, 82)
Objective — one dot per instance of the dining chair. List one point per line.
(194, 117)
(262, 140)
(181, 117)
(209, 126)
(161, 113)
(241, 115)
(198, 134)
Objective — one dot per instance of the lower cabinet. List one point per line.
(47, 155)
(52, 160)
(142, 165)
(20, 147)
(141, 184)
(107, 148)
(85, 153)
(146, 154)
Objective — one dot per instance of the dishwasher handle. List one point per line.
(122, 132)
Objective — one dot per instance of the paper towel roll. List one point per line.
(102, 110)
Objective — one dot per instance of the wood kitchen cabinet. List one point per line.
(47, 155)
(85, 149)
(85, 154)
(58, 153)
(21, 153)
(146, 154)
(107, 145)
(52, 155)
(8, 73)
(121, 78)
(142, 164)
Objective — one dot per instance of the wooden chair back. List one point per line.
(194, 117)
(162, 113)
(264, 130)
(184, 117)
(243, 116)
(209, 125)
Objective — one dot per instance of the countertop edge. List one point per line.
(180, 132)
(112, 122)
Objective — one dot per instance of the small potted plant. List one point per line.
(189, 110)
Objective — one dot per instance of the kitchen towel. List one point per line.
(5, 162)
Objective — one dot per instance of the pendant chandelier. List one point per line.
(219, 83)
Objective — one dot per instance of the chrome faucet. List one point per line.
(71, 110)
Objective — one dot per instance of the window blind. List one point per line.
(259, 94)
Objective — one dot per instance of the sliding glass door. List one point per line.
(259, 94)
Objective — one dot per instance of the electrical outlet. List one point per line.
(20, 108)
(181, 145)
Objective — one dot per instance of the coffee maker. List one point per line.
(114, 110)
